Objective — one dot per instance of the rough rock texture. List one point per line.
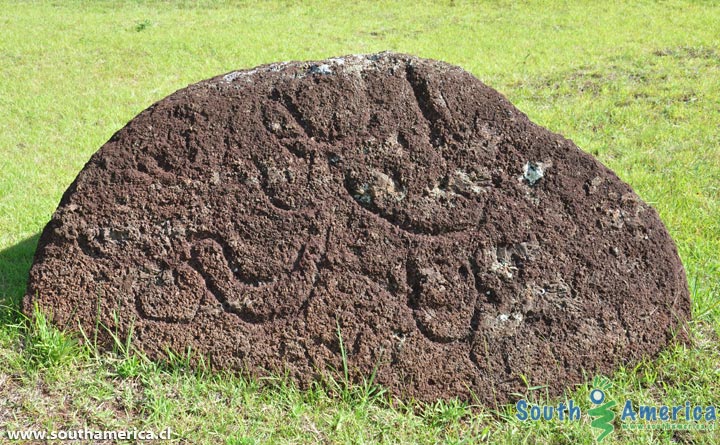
(457, 245)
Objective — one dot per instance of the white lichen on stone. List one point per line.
(337, 60)
(238, 74)
(321, 69)
(438, 192)
(533, 172)
(501, 262)
(362, 193)
(473, 182)
(503, 269)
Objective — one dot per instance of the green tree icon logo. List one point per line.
(602, 412)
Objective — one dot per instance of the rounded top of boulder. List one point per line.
(457, 247)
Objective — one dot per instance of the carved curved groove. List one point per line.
(249, 298)
(410, 227)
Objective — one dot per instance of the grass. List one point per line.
(636, 85)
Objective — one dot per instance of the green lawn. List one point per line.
(637, 86)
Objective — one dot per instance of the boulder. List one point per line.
(393, 202)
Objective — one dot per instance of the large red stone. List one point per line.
(457, 245)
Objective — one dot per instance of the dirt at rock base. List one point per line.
(456, 244)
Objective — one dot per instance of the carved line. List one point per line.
(421, 93)
(284, 100)
(408, 228)
(264, 188)
(212, 283)
(413, 303)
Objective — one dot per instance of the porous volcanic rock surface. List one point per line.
(456, 245)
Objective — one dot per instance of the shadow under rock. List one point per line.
(15, 263)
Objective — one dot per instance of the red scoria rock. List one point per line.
(456, 244)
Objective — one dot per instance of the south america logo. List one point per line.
(602, 412)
